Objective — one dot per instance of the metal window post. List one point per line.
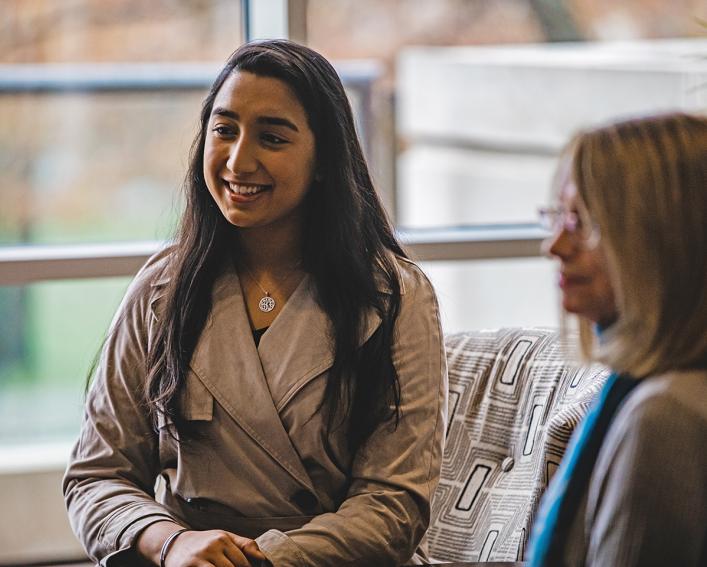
(271, 19)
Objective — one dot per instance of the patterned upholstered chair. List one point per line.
(513, 404)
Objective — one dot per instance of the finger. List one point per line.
(249, 547)
(252, 551)
(235, 557)
(223, 561)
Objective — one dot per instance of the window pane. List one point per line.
(489, 294)
(55, 330)
(81, 167)
(486, 93)
(51, 31)
(99, 165)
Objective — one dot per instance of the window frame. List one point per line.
(31, 263)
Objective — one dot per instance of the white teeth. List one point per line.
(245, 189)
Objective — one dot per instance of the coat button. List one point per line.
(305, 500)
(507, 464)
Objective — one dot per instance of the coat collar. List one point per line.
(254, 384)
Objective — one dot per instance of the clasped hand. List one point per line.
(192, 548)
(217, 548)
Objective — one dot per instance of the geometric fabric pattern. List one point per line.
(513, 404)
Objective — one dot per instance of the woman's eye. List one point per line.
(223, 130)
(274, 139)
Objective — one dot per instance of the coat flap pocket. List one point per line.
(196, 402)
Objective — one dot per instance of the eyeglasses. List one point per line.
(557, 219)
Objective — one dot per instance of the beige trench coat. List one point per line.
(261, 468)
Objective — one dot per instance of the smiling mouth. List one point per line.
(245, 189)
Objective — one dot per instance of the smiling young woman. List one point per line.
(630, 235)
(280, 368)
(259, 155)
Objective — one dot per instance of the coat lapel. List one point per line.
(295, 350)
(298, 347)
(227, 362)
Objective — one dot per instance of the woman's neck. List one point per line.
(269, 251)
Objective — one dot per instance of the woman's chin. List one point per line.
(602, 317)
(575, 307)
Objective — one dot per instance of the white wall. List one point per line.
(33, 521)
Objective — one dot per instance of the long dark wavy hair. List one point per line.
(347, 246)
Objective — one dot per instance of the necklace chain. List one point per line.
(267, 302)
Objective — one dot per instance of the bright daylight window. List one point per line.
(462, 121)
(485, 95)
(98, 105)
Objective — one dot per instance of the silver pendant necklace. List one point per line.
(266, 303)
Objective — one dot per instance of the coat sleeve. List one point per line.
(387, 508)
(109, 483)
(647, 502)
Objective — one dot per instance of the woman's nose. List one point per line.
(242, 158)
(559, 245)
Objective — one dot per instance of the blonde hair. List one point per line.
(644, 183)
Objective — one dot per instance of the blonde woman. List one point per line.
(630, 235)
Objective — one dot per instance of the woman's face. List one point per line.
(584, 277)
(259, 153)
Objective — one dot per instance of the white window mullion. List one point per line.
(275, 19)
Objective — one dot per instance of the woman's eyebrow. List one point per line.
(277, 121)
(268, 120)
(220, 111)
